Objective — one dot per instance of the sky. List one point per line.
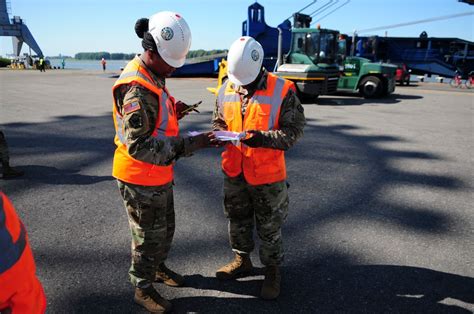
(69, 27)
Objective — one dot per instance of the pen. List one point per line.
(192, 107)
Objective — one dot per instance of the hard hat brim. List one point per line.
(238, 82)
(175, 63)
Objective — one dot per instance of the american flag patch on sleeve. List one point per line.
(131, 107)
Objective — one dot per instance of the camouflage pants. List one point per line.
(4, 156)
(265, 204)
(150, 211)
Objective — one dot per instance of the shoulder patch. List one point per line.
(131, 107)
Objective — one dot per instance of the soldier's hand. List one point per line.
(209, 140)
(255, 140)
(181, 109)
(203, 140)
(215, 142)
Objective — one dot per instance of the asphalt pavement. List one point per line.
(381, 192)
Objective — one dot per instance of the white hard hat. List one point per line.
(172, 37)
(244, 60)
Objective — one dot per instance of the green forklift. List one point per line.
(311, 61)
(370, 79)
(317, 64)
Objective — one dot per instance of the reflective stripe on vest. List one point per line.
(275, 99)
(126, 168)
(164, 115)
(259, 165)
(10, 252)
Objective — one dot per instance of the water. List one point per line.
(112, 65)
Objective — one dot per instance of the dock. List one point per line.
(380, 218)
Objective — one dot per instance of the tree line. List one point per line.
(129, 56)
(4, 62)
(201, 53)
(103, 54)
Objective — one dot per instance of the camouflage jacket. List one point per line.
(291, 118)
(139, 125)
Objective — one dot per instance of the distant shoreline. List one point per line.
(87, 60)
(72, 63)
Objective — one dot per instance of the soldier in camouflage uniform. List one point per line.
(246, 200)
(8, 172)
(148, 144)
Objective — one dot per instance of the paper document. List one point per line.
(229, 136)
(194, 133)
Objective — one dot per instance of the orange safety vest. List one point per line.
(259, 165)
(17, 267)
(12, 235)
(125, 167)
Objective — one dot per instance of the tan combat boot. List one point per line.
(151, 300)
(168, 277)
(271, 284)
(241, 265)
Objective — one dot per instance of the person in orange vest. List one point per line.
(255, 189)
(20, 290)
(148, 144)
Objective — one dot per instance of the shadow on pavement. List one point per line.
(306, 289)
(350, 172)
(52, 175)
(59, 151)
(351, 99)
(339, 183)
(412, 84)
(346, 288)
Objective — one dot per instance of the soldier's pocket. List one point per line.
(262, 120)
(228, 112)
(236, 207)
(268, 162)
(145, 215)
(258, 121)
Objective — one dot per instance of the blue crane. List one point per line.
(18, 30)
